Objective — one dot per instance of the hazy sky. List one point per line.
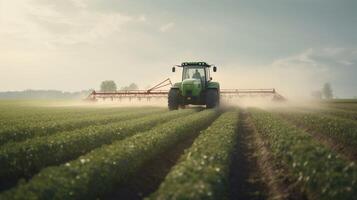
(292, 45)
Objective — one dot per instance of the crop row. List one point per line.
(342, 106)
(31, 129)
(17, 117)
(28, 157)
(343, 131)
(341, 113)
(320, 171)
(13, 114)
(202, 172)
(93, 174)
(352, 115)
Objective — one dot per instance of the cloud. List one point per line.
(44, 39)
(53, 23)
(142, 18)
(83, 26)
(80, 3)
(322, 59)
(166, 27)
(298, 75)
(313, 67)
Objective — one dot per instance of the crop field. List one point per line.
(88, 152)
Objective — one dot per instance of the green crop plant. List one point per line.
(343, 131)
(93, 174)
(202, 172)
(26, 158)
(320, 171)
(27, 130)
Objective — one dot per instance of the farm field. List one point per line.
(84, 152)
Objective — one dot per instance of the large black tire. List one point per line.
(212, 98)
(173, 100)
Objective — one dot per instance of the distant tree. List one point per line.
(316, 95)
(327, 91)
(108, 86)
(132, 86)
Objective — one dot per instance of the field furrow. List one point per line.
(251, 170)
(285, 151)
(92, 175)
(149, 176)
(319, 171)
(202, 172)
(26, 158)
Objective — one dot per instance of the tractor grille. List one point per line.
(189, 93)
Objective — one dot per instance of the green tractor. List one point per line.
(196, 88)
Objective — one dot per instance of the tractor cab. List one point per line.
(195, 70)
(196, 87)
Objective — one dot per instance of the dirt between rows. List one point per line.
(255, 173)
(153, 172)
(245, 178)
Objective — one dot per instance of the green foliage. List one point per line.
(25, 129)
(108, 86)
(104, 147)
(342, 130)
(327, 91)
(18, 113)
(202, 172)
(340, 113)
(350, 105)
(319, 170)
(26, 158)
(92, 174)
(132, 86)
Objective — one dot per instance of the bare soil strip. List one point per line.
(244, 179)
(148, 179)
(255, 174)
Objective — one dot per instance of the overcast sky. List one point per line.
(292, 45)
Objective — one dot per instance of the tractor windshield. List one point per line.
(193, 73)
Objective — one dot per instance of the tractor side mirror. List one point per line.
(173, 69)
(214, 68)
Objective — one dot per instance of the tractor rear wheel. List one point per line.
(173, 100)
(212, 98)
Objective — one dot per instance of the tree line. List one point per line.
(111, 86)
(44, 94)
(105, 86)
(326, 92)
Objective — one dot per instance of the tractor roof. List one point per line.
(203, 64)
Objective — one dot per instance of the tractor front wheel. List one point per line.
(173, 100)
(212, 98)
